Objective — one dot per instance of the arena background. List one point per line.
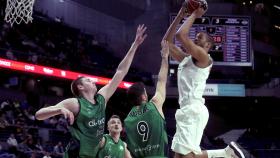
(91, 37)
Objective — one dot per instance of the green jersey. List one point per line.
(146, 132)
(111, 149)
(88, 128)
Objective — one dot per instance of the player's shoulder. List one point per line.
(203, 61)
(71, 101)
(71, 104)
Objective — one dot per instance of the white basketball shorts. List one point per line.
(190, 124)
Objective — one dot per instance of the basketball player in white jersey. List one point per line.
(193, 71)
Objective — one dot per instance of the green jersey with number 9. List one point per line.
(146, 132)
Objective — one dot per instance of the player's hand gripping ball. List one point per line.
(192, 5)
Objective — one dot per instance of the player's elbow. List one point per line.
(179, 35)
(168, 39)
(37, 115)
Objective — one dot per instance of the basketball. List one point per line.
(192, 5)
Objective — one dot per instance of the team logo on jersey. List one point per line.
(94, 122)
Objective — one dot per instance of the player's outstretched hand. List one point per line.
(140, 34)
(68, 115)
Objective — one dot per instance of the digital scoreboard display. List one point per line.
(232, 37)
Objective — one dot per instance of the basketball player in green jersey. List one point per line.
(86, 112)
(111, 145)
(193, 71)
(145, 124)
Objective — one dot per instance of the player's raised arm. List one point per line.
(175, 52)
(108, 90)
(67, 108)
(195, 50)
(160, 93)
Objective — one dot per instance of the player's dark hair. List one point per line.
(134, 93)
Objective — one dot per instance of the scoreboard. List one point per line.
(232, 38)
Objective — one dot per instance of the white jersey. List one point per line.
(191, 82)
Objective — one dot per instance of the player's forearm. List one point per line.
(185, 28)
(170, 33)
(47, 112)
(162, 76)
(127, 60)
